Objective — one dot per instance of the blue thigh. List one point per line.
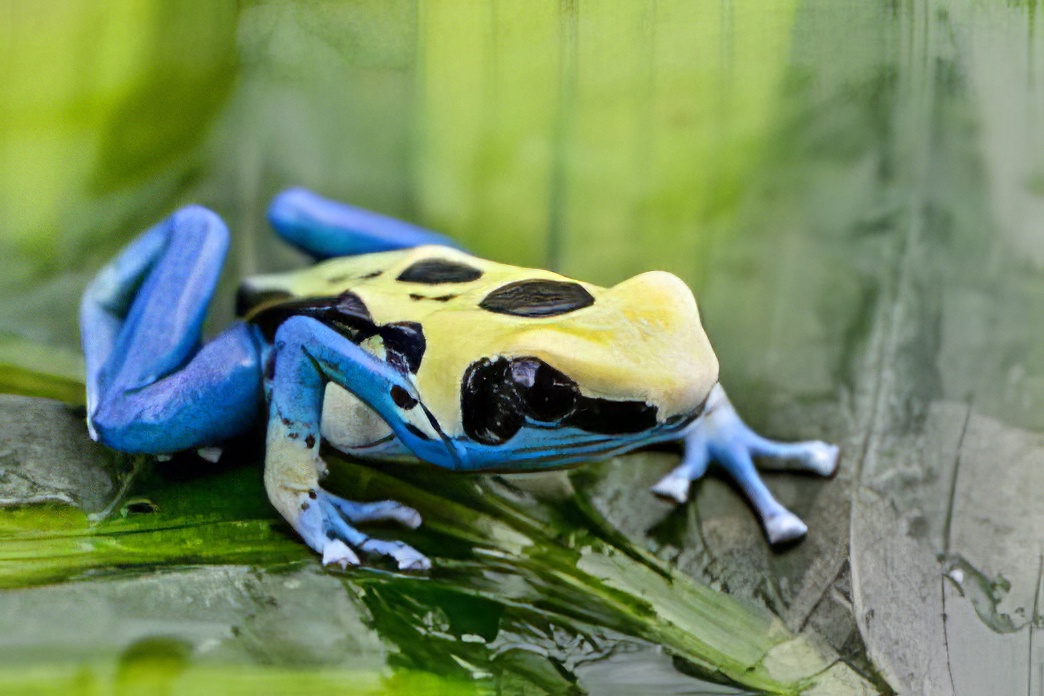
(151, 387)
(217, 395)
(325, 228)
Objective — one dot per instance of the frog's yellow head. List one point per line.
(640, 340)
(612, 361)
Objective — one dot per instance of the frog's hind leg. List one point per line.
(151, 386)
(323, 228)
(720, 436)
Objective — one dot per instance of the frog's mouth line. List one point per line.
(569, 445)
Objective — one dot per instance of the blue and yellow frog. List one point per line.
(397, 343)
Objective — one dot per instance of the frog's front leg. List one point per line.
(307, 355)
(721, 436)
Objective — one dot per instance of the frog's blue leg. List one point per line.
(151, 386)
(720, 436)
(307, 356)
(325, 228)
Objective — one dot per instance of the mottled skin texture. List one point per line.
(397, 344)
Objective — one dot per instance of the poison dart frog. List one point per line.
(397, 343)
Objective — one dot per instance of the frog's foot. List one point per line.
(325, 525)
(721, 436)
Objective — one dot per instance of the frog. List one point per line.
(399, 344)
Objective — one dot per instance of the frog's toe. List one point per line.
(405, 555)
(673, 487)
(342, 539)
(822, 458)
(336, 552)
(382, 511)
(784, 526)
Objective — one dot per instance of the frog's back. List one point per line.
(408, 285)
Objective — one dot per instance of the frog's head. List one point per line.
(621, 361)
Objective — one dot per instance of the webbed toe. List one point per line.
(339, 540)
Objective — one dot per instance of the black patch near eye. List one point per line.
(612, 417)
(497, 397)
(537, 298)
(549, 395)
(490, 403)
(404, 345)
(437, 271)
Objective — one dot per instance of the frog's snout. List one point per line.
(679, 362)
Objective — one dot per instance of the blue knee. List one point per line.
(325, 228)
(218, 395)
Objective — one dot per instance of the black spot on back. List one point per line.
(537, 298)
(437, 271)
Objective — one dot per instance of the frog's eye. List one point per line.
(537, 298)
(497, 396)
(490, 403)
(548, 394)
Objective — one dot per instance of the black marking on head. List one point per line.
(351, 306)
(548, 394)
(345, 277)
(404, 345)
(249, 299)
(537, 298)
(310, 441)
(402, 398)
(490, 402)
(440, 298)
(346, 313)
(438, 271)
(612, 417)
(499, 396)
(416, 431)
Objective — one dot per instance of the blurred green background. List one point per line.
(854, 190)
